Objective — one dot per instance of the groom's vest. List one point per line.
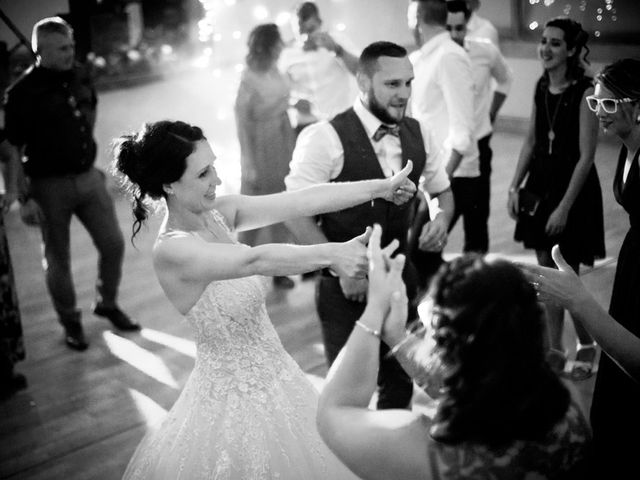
(361, 163)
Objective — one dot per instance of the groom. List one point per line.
(373, 139)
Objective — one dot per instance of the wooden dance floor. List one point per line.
(84, 413)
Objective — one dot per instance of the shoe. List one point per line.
(557, 360)
(283, 282)
(584, 366)
(117, 317)
(73, 332)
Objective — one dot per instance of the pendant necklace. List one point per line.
(551, 134)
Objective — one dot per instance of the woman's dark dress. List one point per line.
(11, 345)
(549, 175)
(615, 411)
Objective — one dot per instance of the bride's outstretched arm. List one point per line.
(194, 260)
(246, 212)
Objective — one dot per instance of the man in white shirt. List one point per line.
(488, 66)
(321, 70)
(443, 101)
(373, 139)
(480, 27)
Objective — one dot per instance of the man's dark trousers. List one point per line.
(86, 196)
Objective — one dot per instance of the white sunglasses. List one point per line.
(609, 105)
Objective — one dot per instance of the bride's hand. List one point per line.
(350, 258)
(400, 189)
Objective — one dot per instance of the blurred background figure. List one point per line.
(11, 340)
(50, 117)
(320, 68)
(561, 200)
(480, 27)
(488, 66)
(491, 421)
(443, 101)
(264, 130)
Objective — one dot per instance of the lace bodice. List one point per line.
(238, 348)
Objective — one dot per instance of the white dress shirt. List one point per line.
(319, 155)
(443, 100)
(320, 77)
(488, 65)
(480, 27)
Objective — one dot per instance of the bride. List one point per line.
(247, 411)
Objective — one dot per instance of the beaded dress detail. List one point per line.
(247, 410)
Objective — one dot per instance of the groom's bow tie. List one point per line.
(384, 130)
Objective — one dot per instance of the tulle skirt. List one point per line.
(263, 433)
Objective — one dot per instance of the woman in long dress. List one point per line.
(264, 130)
(247, 410)
(561, 201)
(11, 339)
(615, 410)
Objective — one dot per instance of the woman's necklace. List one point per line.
(551, 134)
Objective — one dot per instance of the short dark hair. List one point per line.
(307, 10)
(457, 6)
(432, 12)
(368, 61)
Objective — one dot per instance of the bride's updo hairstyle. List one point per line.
(151, 158)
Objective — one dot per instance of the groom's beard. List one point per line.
(381, 112)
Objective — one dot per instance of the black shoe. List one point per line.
(283, 282)
(117, 317)
(73, 332)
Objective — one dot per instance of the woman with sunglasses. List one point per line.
(615, 411)
(555, 193)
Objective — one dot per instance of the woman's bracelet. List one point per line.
(370, 331)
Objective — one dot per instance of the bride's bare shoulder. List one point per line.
(174, 246)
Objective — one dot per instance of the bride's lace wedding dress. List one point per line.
(247, 411)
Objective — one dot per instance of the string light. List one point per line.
(260, 13)
(603, 12)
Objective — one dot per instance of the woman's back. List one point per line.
(562, 454)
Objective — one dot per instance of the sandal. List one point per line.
(584, 366)
(557, 360)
